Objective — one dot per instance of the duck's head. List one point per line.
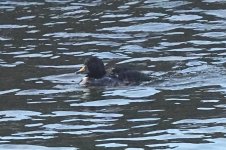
(94, 67)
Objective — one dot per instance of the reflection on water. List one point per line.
(180, 44)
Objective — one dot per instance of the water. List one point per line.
(181, 44)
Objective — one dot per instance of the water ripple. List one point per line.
(132, 92)
(108, 102)
(12, 26)
(17, 115)
(146, 27)
(184, 17)
(33, 147)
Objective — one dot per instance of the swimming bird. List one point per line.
(98, 76)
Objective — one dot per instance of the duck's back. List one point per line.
(129, 75)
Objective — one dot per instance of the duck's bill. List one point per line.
(81, 70)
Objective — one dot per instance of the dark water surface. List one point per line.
(181, 44)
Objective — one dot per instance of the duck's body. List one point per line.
(105, 81)
(97, 76)
(129, 75)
